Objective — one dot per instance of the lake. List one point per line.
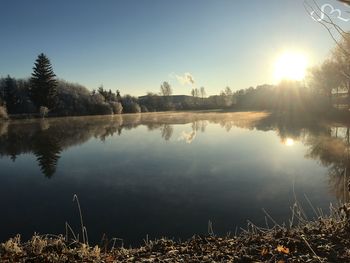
(166, 174)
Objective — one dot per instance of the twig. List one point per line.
(273, 221)
(307, 243)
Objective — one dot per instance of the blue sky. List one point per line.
(135, 45)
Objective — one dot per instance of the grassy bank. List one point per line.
(325, 239)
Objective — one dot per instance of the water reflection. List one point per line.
(173, 172)
(167, 131)
(47, 150)
(188, 137)
(326, 143)
(47, 139)
(332, 150)
(288, 142)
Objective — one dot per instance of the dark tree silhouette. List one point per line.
(43, 89)
(167, 131)
(119, 98)
(165, 89)
(10, 93)
(47, 150)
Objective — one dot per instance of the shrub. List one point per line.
(135, 108)
(75, 99)
(130, 104)
(3, 113)
(117, 107)
(101, 109)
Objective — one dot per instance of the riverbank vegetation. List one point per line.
(324, 239)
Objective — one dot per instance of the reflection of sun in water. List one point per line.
(289, 142)
(290, 66)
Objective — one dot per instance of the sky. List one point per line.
(134, 45)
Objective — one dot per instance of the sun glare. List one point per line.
(290, 66)
(289, 142)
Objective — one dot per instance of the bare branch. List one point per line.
(317, 14)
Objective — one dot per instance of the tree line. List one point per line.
(326, 87)
(45, 94)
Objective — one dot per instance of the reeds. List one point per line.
(322, 239)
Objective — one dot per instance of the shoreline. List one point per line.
(324, 239)
(333, 115)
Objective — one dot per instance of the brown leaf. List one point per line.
(283, 249)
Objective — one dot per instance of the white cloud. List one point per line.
(185, 79)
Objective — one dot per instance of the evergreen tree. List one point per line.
(10, 94)
(119, 98)
(103, 92)
(43, 83)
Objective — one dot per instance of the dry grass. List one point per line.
(322, 240)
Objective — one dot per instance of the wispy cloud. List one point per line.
(185, 79)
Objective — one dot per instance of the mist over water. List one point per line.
(166, 174)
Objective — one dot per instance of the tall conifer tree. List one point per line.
(43, 83)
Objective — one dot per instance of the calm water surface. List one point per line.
(162, 174)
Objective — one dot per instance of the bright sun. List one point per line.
(290, 66)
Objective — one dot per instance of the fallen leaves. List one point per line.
(264, 251)
(282, 249)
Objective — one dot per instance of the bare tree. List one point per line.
(195, 92)
(227, 96)
(228, 91)
(335, 31)
(341, 53)
(165, 89)
(202, 92)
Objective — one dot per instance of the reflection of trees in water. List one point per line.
(44, 124)
(47, 150)
(329, 145)
(131, 121)
(46, 139)
(199, 125)
(333, 152)
(167, 131)
(4, 128)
